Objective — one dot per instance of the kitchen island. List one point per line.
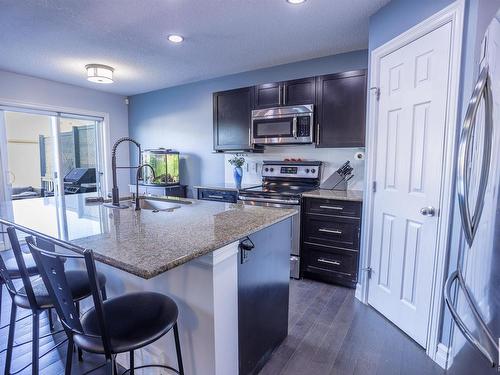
(187, 249)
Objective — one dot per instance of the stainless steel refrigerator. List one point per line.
(472, 292)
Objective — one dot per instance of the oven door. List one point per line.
(295, 250)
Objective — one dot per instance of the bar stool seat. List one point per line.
(133, 321)
(13, 269)
(78, 282)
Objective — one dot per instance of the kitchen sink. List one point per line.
(156, 205)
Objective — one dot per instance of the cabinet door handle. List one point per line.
(333, 231)
(284, 94)
(216, 196)
(334, 262)
(317, 135)
(279, 94)
(338, 208)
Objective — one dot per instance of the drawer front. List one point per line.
(336, 232)
(333, 207)
(339, 263)
(218, 195)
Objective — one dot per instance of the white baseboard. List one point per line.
(443, 359)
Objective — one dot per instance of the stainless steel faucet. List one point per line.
(137, 176)
(115, 193)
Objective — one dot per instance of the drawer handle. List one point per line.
(333, 231)
(338, 208)
(216, 196)
(334, 262)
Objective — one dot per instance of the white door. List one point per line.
(409, 162)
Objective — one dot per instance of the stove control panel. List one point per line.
(290, 171)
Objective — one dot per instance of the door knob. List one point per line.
(428, 211)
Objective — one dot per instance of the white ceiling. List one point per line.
(55, 39)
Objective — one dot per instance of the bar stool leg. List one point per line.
(132, 362)
(110, 368)
(178, 349)
(69, 357)
(10, 340)
(36, 346)
(1, 291)
(80, 351)
(103, 293)
(51, 322)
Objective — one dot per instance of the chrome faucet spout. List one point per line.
(137, 176)
(114, 192)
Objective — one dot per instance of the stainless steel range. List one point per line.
(283, 183)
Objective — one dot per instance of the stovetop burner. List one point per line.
(283, 189)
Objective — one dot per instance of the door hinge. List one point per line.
(377, 92)
(374, 186)
(369, 270)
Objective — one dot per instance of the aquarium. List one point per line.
(165, 164)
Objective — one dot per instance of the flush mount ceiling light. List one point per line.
(99, 73)
(174, 38)
(295, 2)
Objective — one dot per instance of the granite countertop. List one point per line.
(145, 243)
(227, 186)
(349, 195)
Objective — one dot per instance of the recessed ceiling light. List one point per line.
(295, 2)
(174, 38)
(99, 73)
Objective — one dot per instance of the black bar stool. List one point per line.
(34, 296)
(117, 325)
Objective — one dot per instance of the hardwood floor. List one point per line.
(52, 363)
(330, 332)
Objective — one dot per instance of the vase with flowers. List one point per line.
(237, 162)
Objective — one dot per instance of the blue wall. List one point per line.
(399, 16)
(181, 117)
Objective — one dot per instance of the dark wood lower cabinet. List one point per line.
(330, 240)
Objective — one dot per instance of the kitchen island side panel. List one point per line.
(263, 295)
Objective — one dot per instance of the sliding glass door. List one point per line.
(47, 155)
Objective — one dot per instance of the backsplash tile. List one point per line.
(332, 159)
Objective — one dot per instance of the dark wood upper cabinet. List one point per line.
(341, 109)
(294, 92)
(268, 95)
(340, 114)
(232, 111)
(299, 91)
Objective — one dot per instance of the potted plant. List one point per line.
(237, 162)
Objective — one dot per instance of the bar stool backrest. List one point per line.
(23, 272)
(6, 279)
(51, 268)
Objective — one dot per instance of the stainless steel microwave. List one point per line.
(283, 125)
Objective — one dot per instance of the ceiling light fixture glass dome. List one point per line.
(295, 2)
(174, 38)
(99, 73)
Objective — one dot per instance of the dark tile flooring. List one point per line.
(330, 332)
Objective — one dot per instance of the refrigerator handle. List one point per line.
(470, 220)
(457, 276)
